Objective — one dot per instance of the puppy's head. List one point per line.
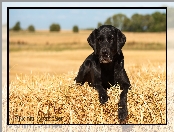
(106, 41)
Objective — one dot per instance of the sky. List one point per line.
(41, 19)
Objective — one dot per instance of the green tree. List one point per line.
(126, 24)
(17, 27)
(159, 23)
(99, 24)
(147, 22)
(31, 28)
(118, 20)
(155, 22)
(75, 29)
(55, 27)
(108, 21)
(136, 23)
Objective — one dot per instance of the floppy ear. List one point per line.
(121, 39)
(92, 40)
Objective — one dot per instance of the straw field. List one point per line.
(42, 90)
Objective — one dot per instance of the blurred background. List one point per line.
(47, 40)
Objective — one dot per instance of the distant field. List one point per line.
(56, 41)
(63, 61)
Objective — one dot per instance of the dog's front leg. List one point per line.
(83, 72)
(123, 80)
(96, 77)
(122, 106)
(103, 97)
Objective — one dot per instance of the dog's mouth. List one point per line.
(105, 59)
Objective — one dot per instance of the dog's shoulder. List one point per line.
(92, 58)
(119, 57)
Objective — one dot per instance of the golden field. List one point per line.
(61, 62)
(42, 90)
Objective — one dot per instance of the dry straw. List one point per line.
(56, 99)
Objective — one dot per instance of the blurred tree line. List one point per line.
(53, 28)
(155, 22)
(17, 27)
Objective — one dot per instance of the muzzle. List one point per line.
(105, 56)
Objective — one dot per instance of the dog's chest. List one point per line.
(107, 72)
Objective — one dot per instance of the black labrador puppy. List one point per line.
(105, 66)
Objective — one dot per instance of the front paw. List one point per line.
(78, 82)
(103, 98)
(122, 113)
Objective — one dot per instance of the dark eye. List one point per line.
(111, 38)
(99, 39)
